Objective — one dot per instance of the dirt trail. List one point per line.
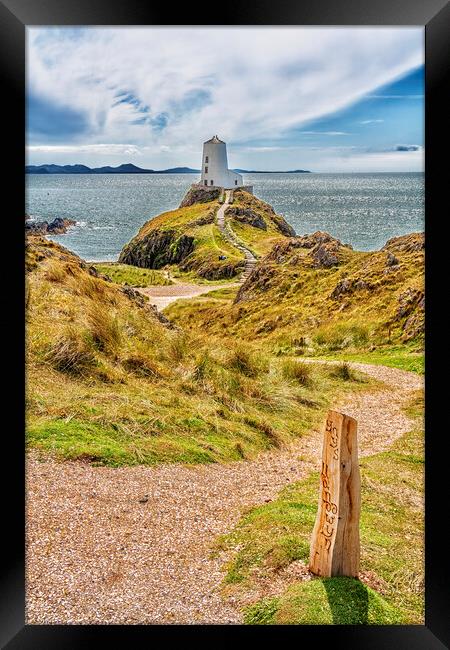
(162, 296)
(97, 554)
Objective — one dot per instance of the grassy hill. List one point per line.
(190, 240)
(111, 381)
(313, 295)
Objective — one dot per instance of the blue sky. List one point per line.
(325, 99)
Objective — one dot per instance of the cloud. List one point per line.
(395, 96)
(407, 147)
(148, 87)
(324, 133)
(102, 149)
(371, 121)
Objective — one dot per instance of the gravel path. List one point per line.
(132, 545)
(162, 296)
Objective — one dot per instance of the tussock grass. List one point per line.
(71, 352)
(344, 372)
(297, 371)
(247, 361)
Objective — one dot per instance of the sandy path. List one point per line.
(162, 296)
(96, 554)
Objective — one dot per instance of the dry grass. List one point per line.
(106, 379)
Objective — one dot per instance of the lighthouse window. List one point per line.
(206, 169)
(235, 182)
(211, 182)
(206, 159)
(206, 182)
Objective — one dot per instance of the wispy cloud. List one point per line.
(371, 121)
(324, 133)
(144, 85)
(395, 96)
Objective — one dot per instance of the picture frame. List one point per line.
(15, 15)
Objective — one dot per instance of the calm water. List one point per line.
(360, 209)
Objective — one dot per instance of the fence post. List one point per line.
(335, 546)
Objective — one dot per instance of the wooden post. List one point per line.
(335, 544)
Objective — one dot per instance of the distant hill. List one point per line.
(264, 171)
(129, 168)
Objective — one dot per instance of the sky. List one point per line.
(323, 99)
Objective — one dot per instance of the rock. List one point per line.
(344, 286)
(259, 280)
(199, 195)
(408, 301)
(348, 286)
(58, 226)
(325, 255)
(391, 260)
(283, 226)
(246, 215)
(158, 248)
(415, 242)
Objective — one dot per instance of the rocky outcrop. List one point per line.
(410, 313)
(324, 250)
(283, 226)
(413, 243)
(156, 249)
(200, 195)
(58, 226)
(246, 215)
(259, 281)
(348, 286)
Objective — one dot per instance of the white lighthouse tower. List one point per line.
(215, 170)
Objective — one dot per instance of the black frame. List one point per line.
(435, 16)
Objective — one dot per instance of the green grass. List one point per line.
(132, 276)
(338, 601)
(273, 535)
(403, 357)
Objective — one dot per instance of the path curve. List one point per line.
(161, 296)
(96, 554)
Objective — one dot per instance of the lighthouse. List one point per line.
(215, 170)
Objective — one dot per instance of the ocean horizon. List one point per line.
(361, 209)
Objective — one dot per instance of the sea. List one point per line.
(364, 210)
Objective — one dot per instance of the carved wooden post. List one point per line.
(335, 540)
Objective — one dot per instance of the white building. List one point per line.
(215, 166)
